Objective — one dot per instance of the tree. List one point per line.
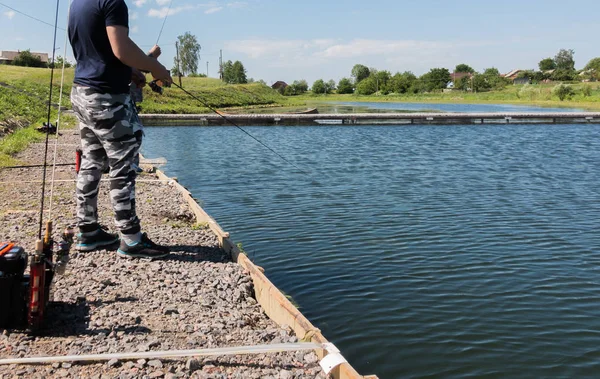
(547, 64)
(593, 64)
(593, 69)
(228, 72)
(464, 68)
(296, 88)
(330, 86)
(463, 84)
(239, 73)
(189, 54)
(564, 60)
(563, 75)
(495, 80)
(382, 79)
(299, 86)
(26, 59)
(319, 86)
(234, 73)
(59, 63)
(563, 91)
(345, 86)
(367, 86)
(481, 82)
(360, 72)
(401, 83)
(436, 78)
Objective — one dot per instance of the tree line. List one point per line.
(364, 80)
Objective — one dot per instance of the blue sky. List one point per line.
(289, 40)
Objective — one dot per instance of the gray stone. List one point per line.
(155, 363)
(192, 365)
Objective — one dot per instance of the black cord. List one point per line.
(239, 127)
(48, 130)
(36, 165)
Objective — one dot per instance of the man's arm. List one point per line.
(131, 55)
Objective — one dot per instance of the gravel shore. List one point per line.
(196, 298)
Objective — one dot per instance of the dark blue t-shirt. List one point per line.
(97, 66)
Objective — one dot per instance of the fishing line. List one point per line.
(31, 17)
(164, 22)
(48, 129)
(239, 127)
(62, 83)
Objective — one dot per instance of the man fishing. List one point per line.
(99, 34)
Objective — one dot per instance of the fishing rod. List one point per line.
(164, 22)
(203, 102)
(48, 129)
(37, 166)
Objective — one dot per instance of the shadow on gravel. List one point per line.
(195, 253)
(66, 319)
(72, 319)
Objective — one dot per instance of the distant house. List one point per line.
(279, 86)
(7, 57)
(513, 76)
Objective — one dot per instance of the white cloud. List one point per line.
(333, 58)
(237, 4)
(362, 47)
(134, 16)
(10, 14)
(140, 3)
(213, 10)
(163, 2)
(162, 12)
(134, 29)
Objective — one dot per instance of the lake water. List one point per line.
(420, 251)
(362, 107)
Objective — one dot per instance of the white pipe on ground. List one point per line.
(243, 350)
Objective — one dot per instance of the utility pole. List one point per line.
(221, 64)
(207, 69)
(178, 63)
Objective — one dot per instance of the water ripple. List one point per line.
(421, 251)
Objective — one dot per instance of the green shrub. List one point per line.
(563, 91)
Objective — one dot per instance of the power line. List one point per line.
(30, 16)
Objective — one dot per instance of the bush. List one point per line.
(26, 59)
(528, 92)
(587, 90)
(563, 91)
(345, 86)
(367, 86)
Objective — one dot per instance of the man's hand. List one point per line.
(162, 74)
(138, 78)
(155, 52)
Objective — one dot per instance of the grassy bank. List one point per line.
(35, 83)
(537, 95)
(23, 108)
(24, 93)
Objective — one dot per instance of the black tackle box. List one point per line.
(13, 285)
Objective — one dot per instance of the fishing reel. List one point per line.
(158, 86)
(25, 297)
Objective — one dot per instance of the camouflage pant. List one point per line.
(106, 125)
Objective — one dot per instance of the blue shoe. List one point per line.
(95, 240)
(143, 249)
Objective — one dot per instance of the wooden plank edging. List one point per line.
(277, 307)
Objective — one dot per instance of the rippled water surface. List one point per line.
(420, 251)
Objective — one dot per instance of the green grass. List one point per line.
(24, 107)
(212, 91)
(539, 95)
